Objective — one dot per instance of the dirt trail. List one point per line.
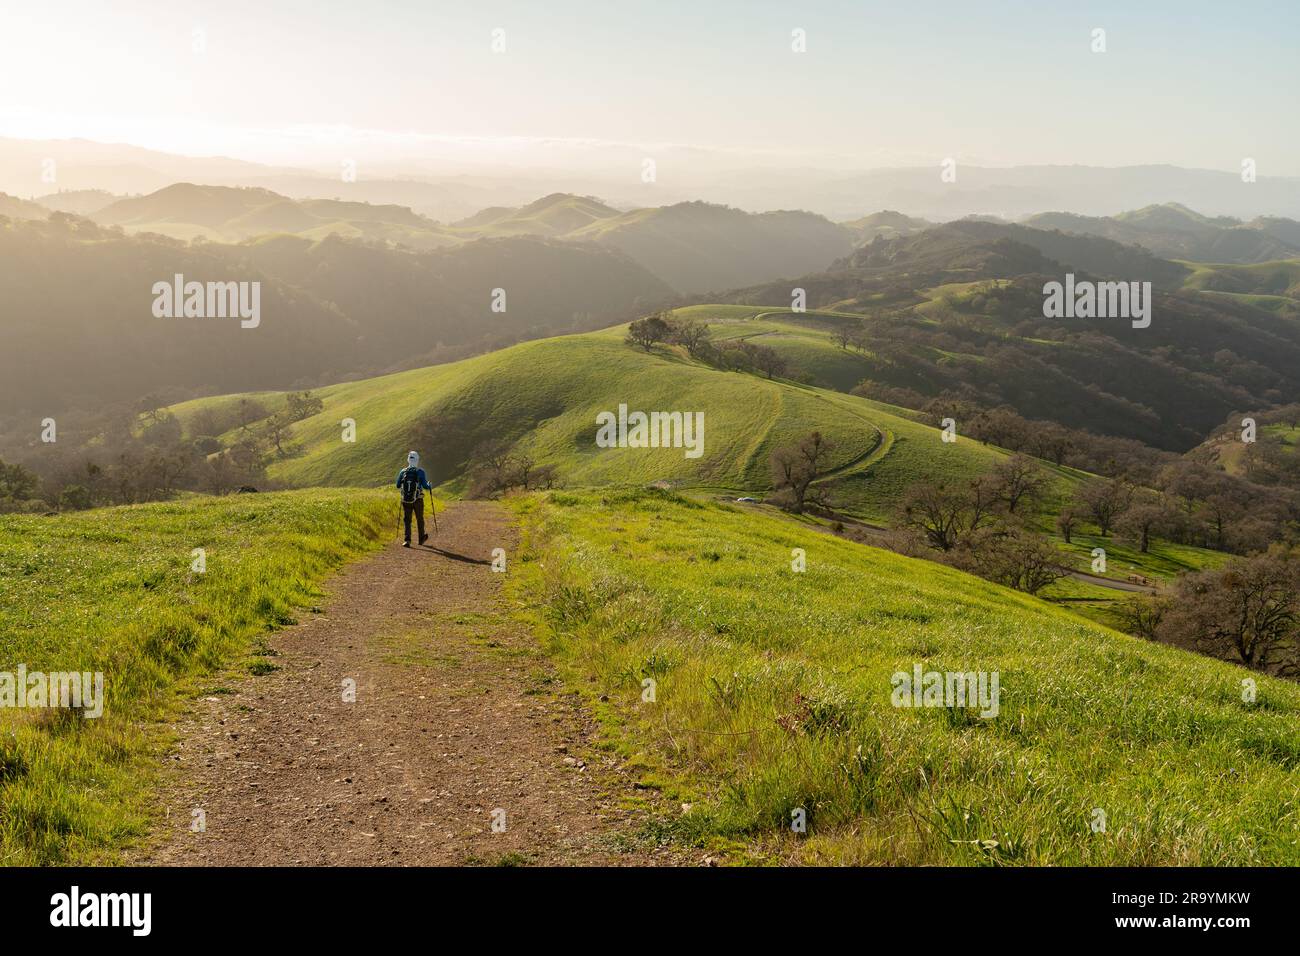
(456, 715)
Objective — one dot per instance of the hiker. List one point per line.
(412, 481)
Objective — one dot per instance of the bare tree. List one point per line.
(545, 476)
(1066, 522)
(1019, 559)
(766, 360)
(945, 513)
(1246, 612)
(1141, 615)
(691, 334)
(249, 411)
(1150, 515)
(520, 472)
(277, 430)
(937, 512)
(1104, 500)
(796, 467)
(1018, 480)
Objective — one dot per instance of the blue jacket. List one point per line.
(424, 481)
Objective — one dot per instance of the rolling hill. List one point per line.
(78, 202)
(545, 395)
(231, 214)
(80, 331)
(887, 224)
(1277, 444)
(542, 398)
(16, 208)
(555, 215)
(1273, 286)
(968, 250)
(959, 308)
(804, 339)
(1173, 231)
(695, 247)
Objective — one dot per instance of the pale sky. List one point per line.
(1196, 84)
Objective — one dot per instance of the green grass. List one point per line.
(1229, 452)
(1275, 278)
(1163, 560)
(112, 590)
(545, 394)
(803, 339)
(773, 693)
(1273, 286)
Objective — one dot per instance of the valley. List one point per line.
(757, 506)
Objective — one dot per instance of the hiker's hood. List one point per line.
(413, 459)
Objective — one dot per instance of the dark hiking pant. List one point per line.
(418, 508)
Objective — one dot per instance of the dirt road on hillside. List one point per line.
(457, 715)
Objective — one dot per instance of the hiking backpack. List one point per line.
(410, 485)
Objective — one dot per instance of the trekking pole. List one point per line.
(433, 510)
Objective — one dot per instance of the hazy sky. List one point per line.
(898, 83)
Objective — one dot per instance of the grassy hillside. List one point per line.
(113, 590)
(773, 693)
(1166, 385)
(804, 339)
(1230, 453)
(546, 394)
(1274, 286)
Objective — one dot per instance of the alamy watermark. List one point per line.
(36, 690)
(1098, 300)
(179, 299)
(977, 689)
(652, 430)
(130, 910)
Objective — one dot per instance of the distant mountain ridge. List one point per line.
(448, 194)
(693, 247)
(1173, 231)
(232, 214)
(556, 215)
(79, 328)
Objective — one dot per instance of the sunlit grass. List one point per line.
(773, 694)
(113, 590)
